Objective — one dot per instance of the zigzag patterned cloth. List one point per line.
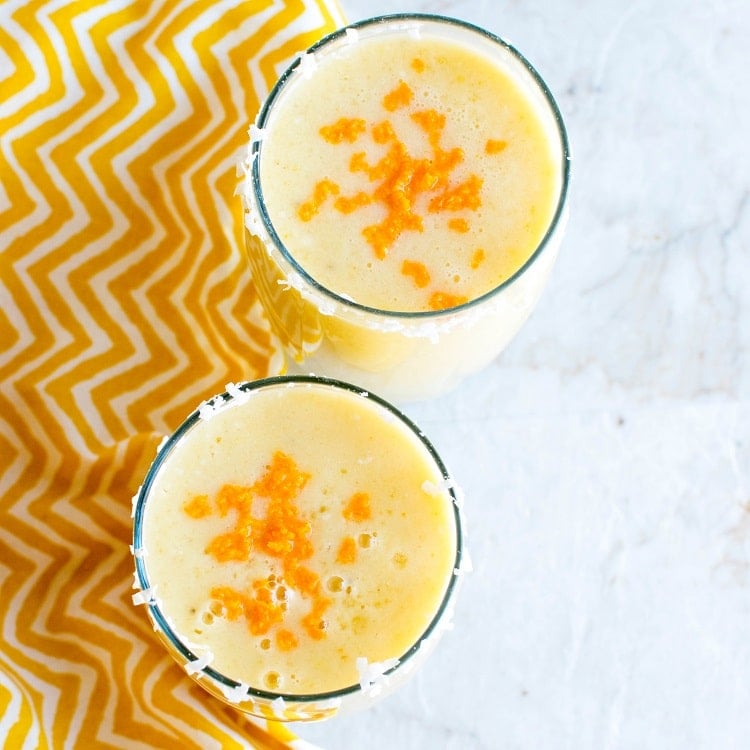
(125, 300)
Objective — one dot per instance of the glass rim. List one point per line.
(437, 19)
(160, 619)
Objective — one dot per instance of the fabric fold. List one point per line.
(125, 300)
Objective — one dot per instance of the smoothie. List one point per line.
(404, 199)
(301, 539)
(423, 182)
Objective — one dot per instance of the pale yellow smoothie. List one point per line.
(302, 538)
(409, 173)
(405, 198)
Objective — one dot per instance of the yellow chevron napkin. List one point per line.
(124, 301)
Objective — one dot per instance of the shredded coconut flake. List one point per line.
(325, 306)
(352, 35)
(466, 565)
(134, 503)
(139, 553)
(372, 677)
(253, 224)
(146, 596)
(199, 664)
(256, 134)
(430, 488)
(238, 394)
(208, 408)
(278, 707)
(307, 64)
(328, 705)
(236, 694)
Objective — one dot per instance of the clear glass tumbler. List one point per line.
(403, 355)
(176, 570)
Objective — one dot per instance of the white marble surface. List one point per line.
(606, 455)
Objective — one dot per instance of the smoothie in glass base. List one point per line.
(405, 197)
(297, 545)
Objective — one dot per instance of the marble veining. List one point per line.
(605, 456)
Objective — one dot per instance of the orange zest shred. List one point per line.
(464, 195)
(431, 121)
(198, 507)
(493, 146)
(418, 272)
(478, 258)
(232, 546)
(282, 481)
(281, 532)
(347, 552)
(345, 129)
(383, 132)
(231, 602)
(261, 615)
(321, 191)
(234, 497)
(458, 225)
(446, 300)
(403, 184)
(313, 621)
(358, 507)
(398, 97)
(349, 204)
(304, 580)
(358, 163)
(286, 640)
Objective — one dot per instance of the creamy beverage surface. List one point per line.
(408, 173)
(297, 531)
